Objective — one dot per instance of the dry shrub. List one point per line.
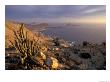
(25, 46)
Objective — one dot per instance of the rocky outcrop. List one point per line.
(54, 54)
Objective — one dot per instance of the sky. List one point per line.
(86, 14)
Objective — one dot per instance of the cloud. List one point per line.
(55, 13)
(94, 10)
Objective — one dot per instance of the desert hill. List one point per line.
(9, 34)
(54, 53)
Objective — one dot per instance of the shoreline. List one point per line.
(57, 54)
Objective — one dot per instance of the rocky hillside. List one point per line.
(48, 53)
(36, 27)
(9, 34)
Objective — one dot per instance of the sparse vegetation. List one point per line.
(25, 46)
(85, 43)
(29, 51)
(56, 41)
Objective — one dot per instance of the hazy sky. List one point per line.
(57, 13)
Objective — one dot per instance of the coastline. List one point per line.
(64, 55)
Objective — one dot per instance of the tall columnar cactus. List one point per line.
(24, 45)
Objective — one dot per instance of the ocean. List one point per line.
(78, 33)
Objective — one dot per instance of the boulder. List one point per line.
(54, 63)
(41, 58)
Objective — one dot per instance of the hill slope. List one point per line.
(9, 34)
(58, 54)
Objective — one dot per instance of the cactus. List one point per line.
(25, 46)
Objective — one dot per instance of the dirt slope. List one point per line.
(9, 34)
